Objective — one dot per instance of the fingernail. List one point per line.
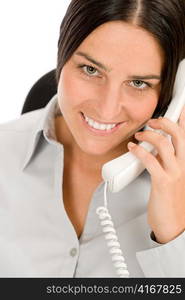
(131, 145)
(138, 134)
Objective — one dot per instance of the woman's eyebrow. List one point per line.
(88, 57)
(144, 77)
(102, 66)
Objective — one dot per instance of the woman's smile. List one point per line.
(101, 129)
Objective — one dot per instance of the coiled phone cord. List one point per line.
(111, 237)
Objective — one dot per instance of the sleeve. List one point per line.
(164, 260)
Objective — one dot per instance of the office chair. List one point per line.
(41, 92)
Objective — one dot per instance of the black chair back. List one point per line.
(41, 92)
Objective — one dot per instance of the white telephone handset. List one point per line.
(120, 171)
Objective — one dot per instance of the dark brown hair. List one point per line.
(164, 19)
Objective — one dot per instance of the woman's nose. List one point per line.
(110, 103)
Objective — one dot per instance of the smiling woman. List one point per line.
(116, 67)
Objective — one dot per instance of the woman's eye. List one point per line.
(139, 84)
(89, 70)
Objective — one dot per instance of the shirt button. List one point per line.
(73, 252)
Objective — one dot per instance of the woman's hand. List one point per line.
(166, 206)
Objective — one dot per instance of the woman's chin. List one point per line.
(96, 150)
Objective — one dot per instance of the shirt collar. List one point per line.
(45, 126)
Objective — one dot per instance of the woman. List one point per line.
(117, 62)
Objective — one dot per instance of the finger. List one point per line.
(163, 145)
(174, 130)
(148, 160)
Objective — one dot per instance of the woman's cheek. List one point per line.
(143, 110)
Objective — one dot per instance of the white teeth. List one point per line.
(99, 126)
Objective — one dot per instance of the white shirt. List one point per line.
(37, 239)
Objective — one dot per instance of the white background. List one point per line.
(29, 32)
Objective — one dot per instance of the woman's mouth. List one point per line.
(97, 128)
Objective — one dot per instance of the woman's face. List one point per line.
(113, 79)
